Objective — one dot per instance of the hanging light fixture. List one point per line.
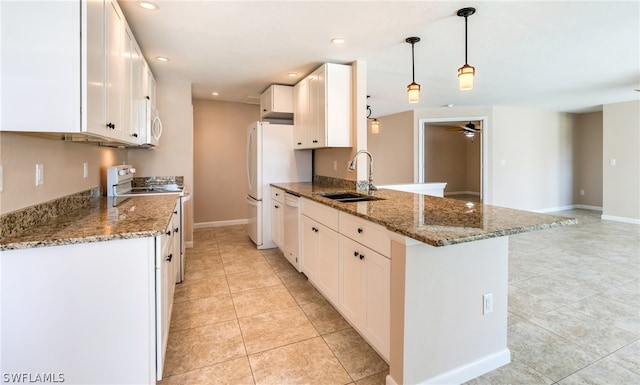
(413, 89)
(466, 72)
(375, 123)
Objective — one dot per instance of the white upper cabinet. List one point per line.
(322, 108)
(72, 62)
(277, 102)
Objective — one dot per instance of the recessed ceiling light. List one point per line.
(292, 74)
(337, 40)
(149, 6)
(162, 58)
(215, 94)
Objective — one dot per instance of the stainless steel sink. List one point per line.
(350, 197)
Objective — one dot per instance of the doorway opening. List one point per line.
(454, 150)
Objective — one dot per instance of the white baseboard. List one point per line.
(587, 207)
(554, 209)
(620, 219)
(204, 225)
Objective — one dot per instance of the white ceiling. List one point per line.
(563, 55)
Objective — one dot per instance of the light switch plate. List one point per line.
(39, 174)
(1, 178)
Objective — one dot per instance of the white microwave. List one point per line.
(151, 125)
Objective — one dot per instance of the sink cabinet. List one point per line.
(350, 267)
(322, 108)
(320, 253)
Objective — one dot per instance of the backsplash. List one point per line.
(147, 181)
(340, 183)
(21, 220)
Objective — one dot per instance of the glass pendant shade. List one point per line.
(413, 92)
(375, 126)
(465, 77)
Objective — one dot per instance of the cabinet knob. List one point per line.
(134, 135)
(111, 126)
(168, 232)
(299, 143)
(315, 141)
(276, 206)
(360, 230)
(361, 256)
(355, 253)
(175, 212)
(264, 110)
(169, 257)
(176, 229)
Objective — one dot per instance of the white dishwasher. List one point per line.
(291, 229)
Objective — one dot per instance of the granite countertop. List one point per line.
(103, 219)
(433, 220)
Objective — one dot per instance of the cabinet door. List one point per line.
(113, 80)
(126, 92)
(316, 125)
(352, 281)
(310, 248)
(377, 272)
(266, 102)
(328, 264)
(137, 95)
(300, 113)
(277, 224)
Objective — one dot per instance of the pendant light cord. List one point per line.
(466, 62)
(413, 64)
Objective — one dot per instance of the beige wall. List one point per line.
(63, 168)
(587, 161)
(532, 158)
(452, 158)
(621, 141)
(220, 186)
(392, 149)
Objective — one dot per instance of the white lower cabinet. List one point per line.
(277, 217)
(96, 312)
(321, 257)
(365, 292)
(354, 275)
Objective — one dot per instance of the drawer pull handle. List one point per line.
(360, 230)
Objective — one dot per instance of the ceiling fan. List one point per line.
(469, 129)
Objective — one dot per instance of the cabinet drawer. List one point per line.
(367, 233)
(320, 213)
(277, 195)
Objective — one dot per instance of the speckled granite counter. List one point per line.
(433, 220)
(103, 219)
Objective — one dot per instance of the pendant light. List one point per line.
(466, 72)
(375, 123)
(413, 89)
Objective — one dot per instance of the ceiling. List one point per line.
(568, 56)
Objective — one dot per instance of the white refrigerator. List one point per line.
(270, 159)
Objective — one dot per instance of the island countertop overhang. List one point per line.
(432, 220)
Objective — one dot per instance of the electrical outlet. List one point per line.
(85, 169)
(612, 162)
(487, 304)
(581, 192)
(39, 174)
(335, 165)
(1, 178)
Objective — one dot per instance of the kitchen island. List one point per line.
(86, 297)
(444, 303)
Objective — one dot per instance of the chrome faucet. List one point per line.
(352, 166)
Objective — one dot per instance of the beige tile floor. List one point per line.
(245, 316)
